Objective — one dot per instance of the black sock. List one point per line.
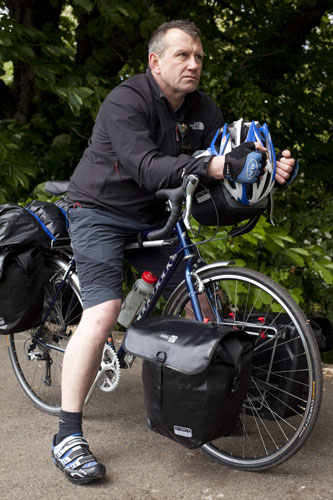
(69, 423)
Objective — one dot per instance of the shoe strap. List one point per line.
(67, 444)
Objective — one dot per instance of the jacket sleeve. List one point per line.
(125, 116)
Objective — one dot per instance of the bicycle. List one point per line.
(284, 396)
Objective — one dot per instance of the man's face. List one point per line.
(179, 68)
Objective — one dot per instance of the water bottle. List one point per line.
(140, 291)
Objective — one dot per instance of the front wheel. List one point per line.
(284, 395)
(36, 355)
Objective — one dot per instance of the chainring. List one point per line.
(111, 370)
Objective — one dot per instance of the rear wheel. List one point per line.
(37, 360)
(284, 395)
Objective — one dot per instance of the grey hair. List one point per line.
(157, 43)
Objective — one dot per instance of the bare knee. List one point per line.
(98, 321)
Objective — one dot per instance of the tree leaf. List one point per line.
(301, 251)
(295, 257)
(87, 5)
(324, 273)
(27, 51)
(3, 152)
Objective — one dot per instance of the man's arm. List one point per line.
(284, 165)
(125, 114)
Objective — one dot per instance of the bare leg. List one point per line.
(84, 352)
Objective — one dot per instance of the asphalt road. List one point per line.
(142, 465)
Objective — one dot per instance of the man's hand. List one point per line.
(217, 167)
(245, 163)
(284, 166)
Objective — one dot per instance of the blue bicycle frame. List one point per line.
(183, 251)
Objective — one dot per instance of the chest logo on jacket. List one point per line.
(197, 126)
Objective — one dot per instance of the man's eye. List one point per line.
(198, 57)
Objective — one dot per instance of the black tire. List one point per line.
(36, 366)
(284, 395)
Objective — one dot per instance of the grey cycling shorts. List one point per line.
(98, 238)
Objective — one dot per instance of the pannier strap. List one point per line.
(157, 400)
(25, 260)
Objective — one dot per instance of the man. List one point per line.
(143, 138)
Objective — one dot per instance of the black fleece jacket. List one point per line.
(137, 147)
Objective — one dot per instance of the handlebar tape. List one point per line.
(176, 198)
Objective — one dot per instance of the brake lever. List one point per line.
(191, 186)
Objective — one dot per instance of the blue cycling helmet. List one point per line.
(231, 136)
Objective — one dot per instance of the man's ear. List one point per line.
(154, 63)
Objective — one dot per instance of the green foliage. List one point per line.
(18, 163)
(271, 250)
(307, 214)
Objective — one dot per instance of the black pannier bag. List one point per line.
(51, 217)
(213, 205)
(22, 272)
(323, 331)
(195, 376)
(19, 229)
(22, 277)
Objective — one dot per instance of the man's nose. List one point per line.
(193, 63)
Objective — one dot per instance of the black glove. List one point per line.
(244, 163)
